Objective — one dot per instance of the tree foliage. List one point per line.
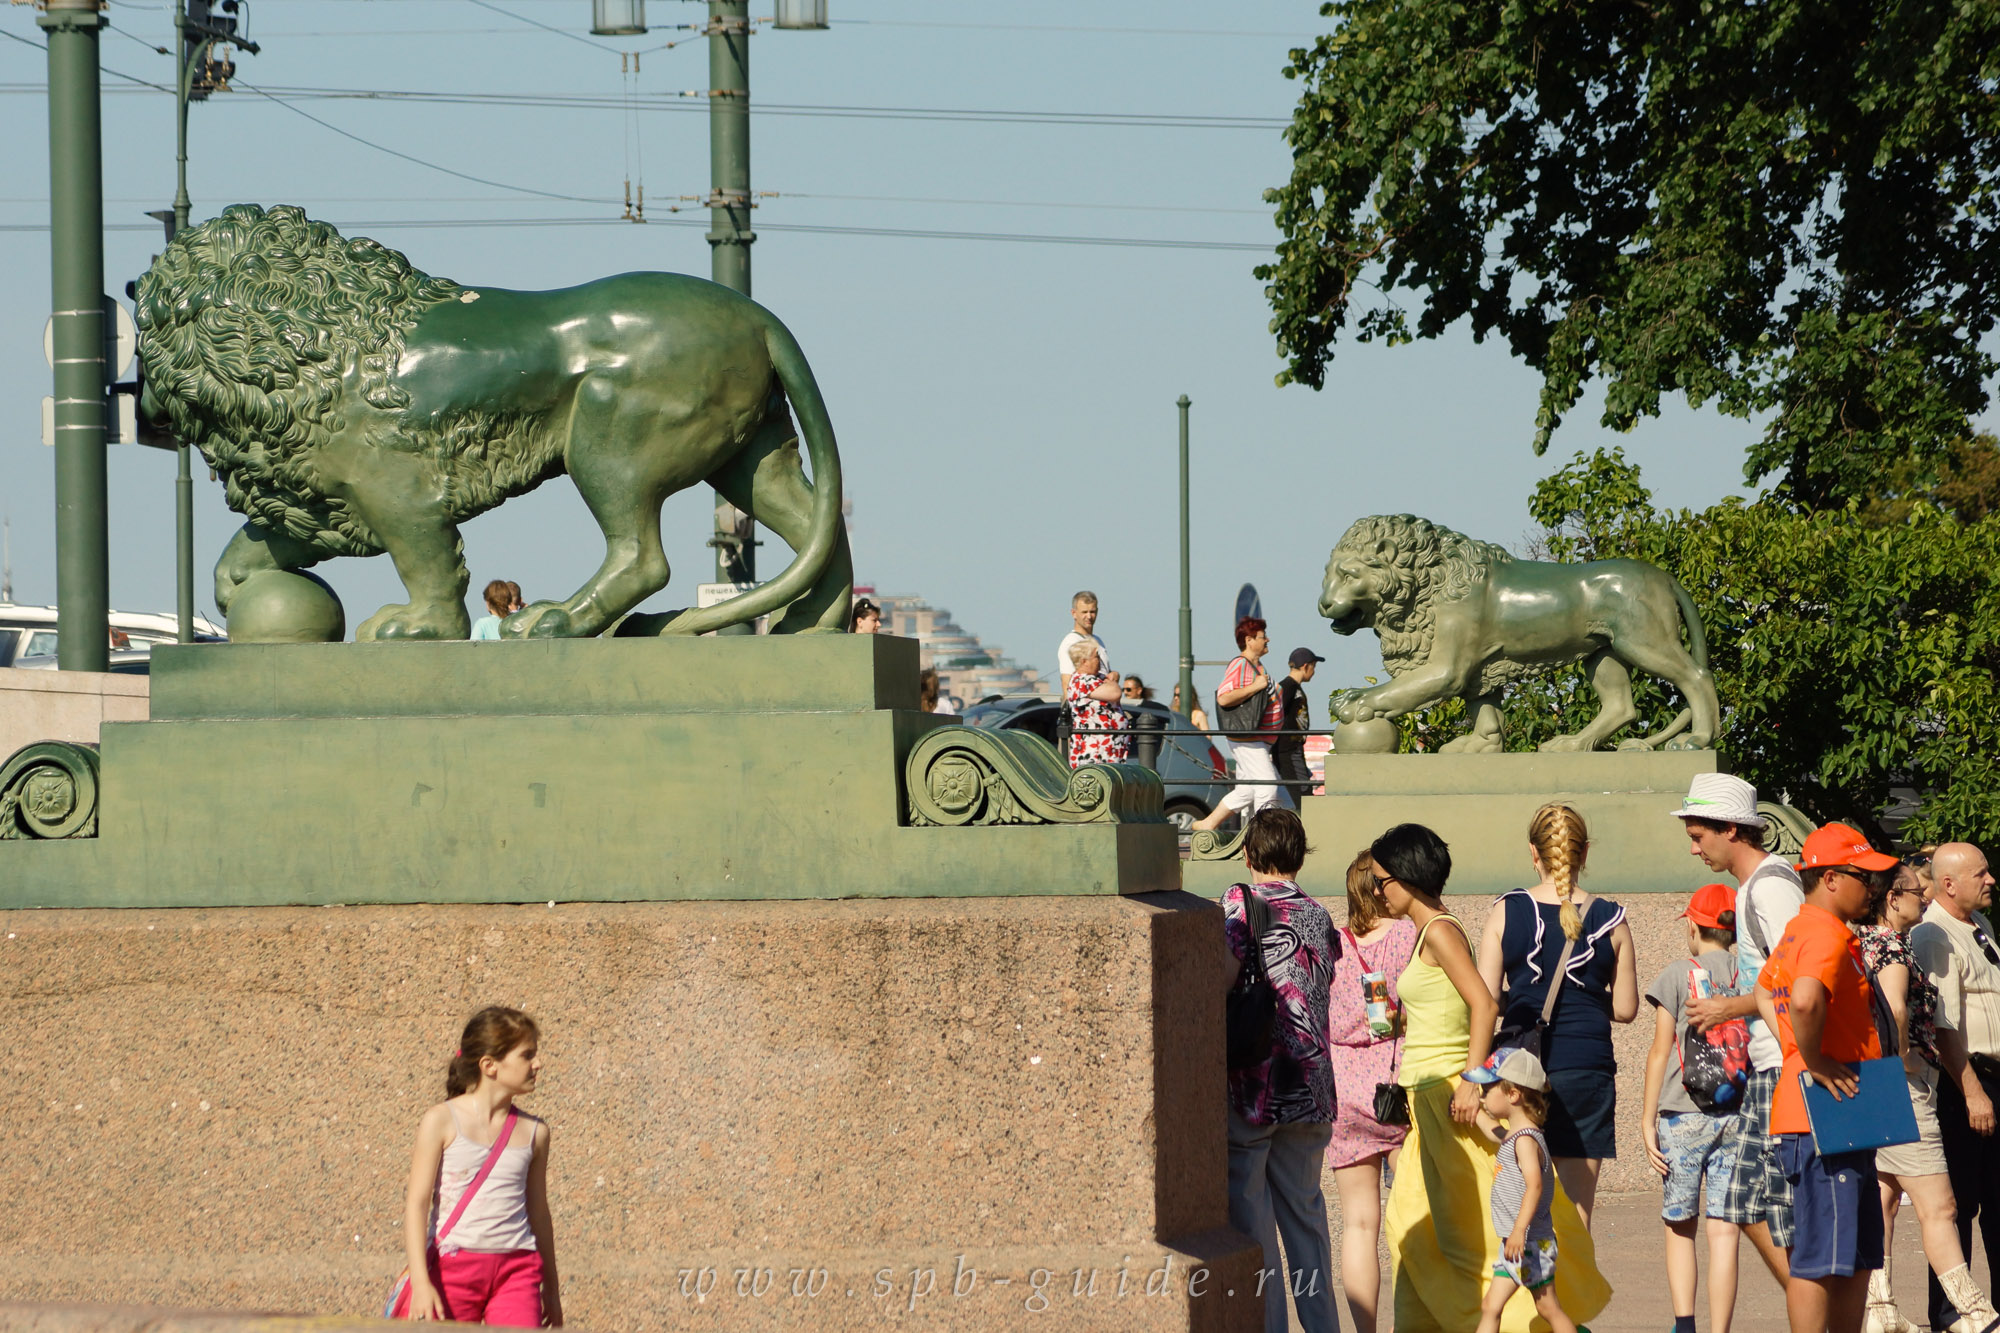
(1852, 656)
(1785, 208)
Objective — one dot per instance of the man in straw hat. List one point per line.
(1726, 833)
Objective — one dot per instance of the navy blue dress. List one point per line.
(1576, 1048)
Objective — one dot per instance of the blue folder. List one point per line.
(1878, 1115)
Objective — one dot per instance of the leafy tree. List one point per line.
(1852, 657)
(1786, 208)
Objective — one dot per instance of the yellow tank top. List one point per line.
(1437, 1025)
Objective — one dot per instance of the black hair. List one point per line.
(1276, 841)
(1416, 856)
(1722, 937)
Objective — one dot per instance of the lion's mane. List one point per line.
(1431, 566)
(249, 324)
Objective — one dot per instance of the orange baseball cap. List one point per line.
(1839, 845)
(1709, 904)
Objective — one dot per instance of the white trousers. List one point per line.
(1253, 760)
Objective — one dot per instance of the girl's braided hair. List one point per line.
(1558, 835)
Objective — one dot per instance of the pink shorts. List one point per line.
(504, 1290)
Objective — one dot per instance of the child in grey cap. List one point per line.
(1512, 1109)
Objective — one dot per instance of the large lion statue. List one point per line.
(1461, 618)
(353, 404)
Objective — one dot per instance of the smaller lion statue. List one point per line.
(1461, 618)
(353, 404)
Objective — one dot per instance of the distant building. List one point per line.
(968, 668)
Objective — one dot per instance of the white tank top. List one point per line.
(496, 1221)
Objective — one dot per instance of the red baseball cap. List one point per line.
(1839, 845)
(1709, 903)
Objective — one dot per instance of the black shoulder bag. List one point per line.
(1252, 1016)
(1243, 717)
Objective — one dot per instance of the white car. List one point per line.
(30, 631)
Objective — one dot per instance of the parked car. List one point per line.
(123, 662)
(30, 631)
(1195, 774)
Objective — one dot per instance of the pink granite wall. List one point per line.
(813, 1115)
(65, 705)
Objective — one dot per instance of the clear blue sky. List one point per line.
(1005, 409)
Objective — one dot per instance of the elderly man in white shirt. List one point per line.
(1954, 945)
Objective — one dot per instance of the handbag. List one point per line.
(1251, 1019)
(1244, 716)
(1392, 1099)
(398, 1306)
(1529, 1039)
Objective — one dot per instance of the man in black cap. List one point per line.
(1288, 753)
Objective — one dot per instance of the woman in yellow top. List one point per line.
(1442, 1246)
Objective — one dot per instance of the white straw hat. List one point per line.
(1722, 798)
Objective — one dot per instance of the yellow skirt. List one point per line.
(1439, 1226)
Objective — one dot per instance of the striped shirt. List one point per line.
(1510, 1187)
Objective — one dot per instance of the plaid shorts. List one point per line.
(1757, 1189)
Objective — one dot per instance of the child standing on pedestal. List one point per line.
(476, 1222)
(1512, 1107)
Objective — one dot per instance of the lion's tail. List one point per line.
(816, 429)
(1697, 641)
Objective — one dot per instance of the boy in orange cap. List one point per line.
(1689, 1123)
(1816, 997)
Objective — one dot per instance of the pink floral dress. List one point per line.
(1360, 1059)
(1086, 712)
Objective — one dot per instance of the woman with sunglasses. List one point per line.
(1441, 1243)
(1917, 1169)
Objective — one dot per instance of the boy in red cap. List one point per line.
(1816, 997)
(1688, 1122)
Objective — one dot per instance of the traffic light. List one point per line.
(210, 33)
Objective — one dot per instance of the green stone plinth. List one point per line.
(568, 770)
(1481, 803)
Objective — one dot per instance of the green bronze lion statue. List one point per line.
(353, 404)
(1460, 618)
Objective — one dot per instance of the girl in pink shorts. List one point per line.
(492, 1260)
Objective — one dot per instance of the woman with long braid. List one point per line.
(1519, 953)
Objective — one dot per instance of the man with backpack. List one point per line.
(1694, 1094)
(1726, 833)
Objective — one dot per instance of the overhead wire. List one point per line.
(410, 157)
(911, 233)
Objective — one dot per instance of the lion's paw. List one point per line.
(1563, 745)
(543, 620)
(1687, 743)
(1471, 744)
(410, 622)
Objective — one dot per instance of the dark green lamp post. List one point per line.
(1187, 612)
(76, 254)
(729, 233)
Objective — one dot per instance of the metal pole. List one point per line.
(76, 243)
(729, 234)
(1187, 612)
(184, 69)
(184, 546)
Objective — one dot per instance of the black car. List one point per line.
(1193, 771)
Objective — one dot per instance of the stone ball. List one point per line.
(1376, 736)
(286, 606)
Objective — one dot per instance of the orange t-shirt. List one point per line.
(1819, 945)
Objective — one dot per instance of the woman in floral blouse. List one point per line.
(1928, 1053)
(1092, 696)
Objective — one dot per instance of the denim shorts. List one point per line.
(1836, 1209)
(1696, 1145)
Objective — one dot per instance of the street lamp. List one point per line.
(729, 203)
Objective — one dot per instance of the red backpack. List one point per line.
(1715, 1065)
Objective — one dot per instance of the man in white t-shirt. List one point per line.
(1726, 832)
(1083, 614)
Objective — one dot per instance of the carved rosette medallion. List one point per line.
(49, 790)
